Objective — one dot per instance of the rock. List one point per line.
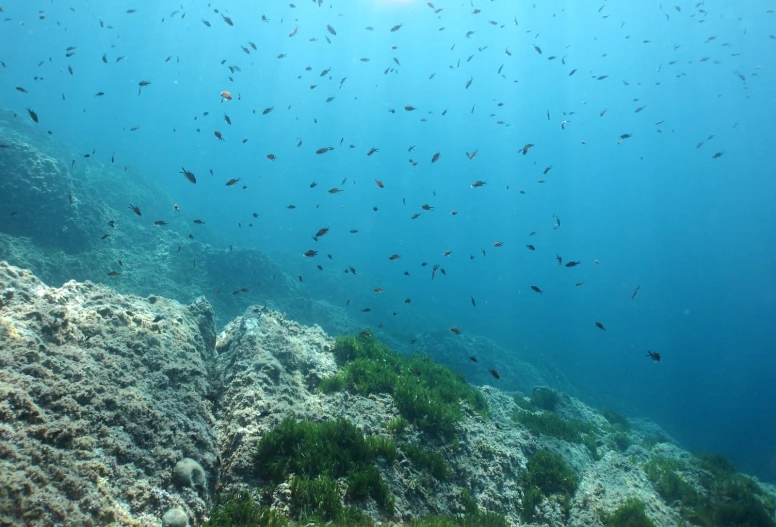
(189, 473)
(176, 517)
(98, 402)
(102, 394)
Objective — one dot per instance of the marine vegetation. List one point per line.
(709, 492)
(480, 519)
(319, 453)
(426, 394)
(551, 424)
(427, 460)
(545, 398)
(547, 474)
(618, 421)
(621, 441)
(240, 510)
(629, 514)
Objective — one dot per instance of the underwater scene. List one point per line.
(387, 262)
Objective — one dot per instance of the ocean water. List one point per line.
(656, 210)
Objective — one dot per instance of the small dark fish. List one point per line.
(199, 222)
(396, 28)
(600, 326)
(473, 302)
(635, 291)
(331, 30)
(232, 182)
(715, 156)
(473, 358)
(573, 264)
(537, 49)
(227, 20)
(536, 288)
(189, 175)
(436, 157)
(494, 373)
(655, 356)
(113, 273)
(526, 148)
(104, 236)
(530, 247)
(135, 210)
(33, 115)
(455, 331)
(160, 223)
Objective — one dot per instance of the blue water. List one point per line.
(696, 233)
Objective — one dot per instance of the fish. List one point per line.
(227, 19)
(455, 331)
(199, 222)
(379, 183)
(600, 326)
(436, 157)
(537, 49)
(477, 184)
(473, 302)
(331, 30)
(494, 373)
(311, 253)
(394, 257)
(536, 288)
(218, 135)
(142, 84)
(655, 356)
(635, 292)
(160, 223)
(527, 147)
(135, 210)
(473, 358)
(113, 273)
(33, 115)
(498, 244)
(573, 264)
(530, 247)
(579, 284)
(189, 175)
(232, 182)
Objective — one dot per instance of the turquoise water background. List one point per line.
(695, 232)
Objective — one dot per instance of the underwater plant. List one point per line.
(546, 474)
(545, 398)
(432, 462)
(621, 441)
(319, 453)
(426, 394)
(723, 497)
(618, 421)
(629, 514)
(240, 510)
(551, 424)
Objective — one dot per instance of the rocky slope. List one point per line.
(118, 409)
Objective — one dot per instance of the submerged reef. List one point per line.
(130, 411)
